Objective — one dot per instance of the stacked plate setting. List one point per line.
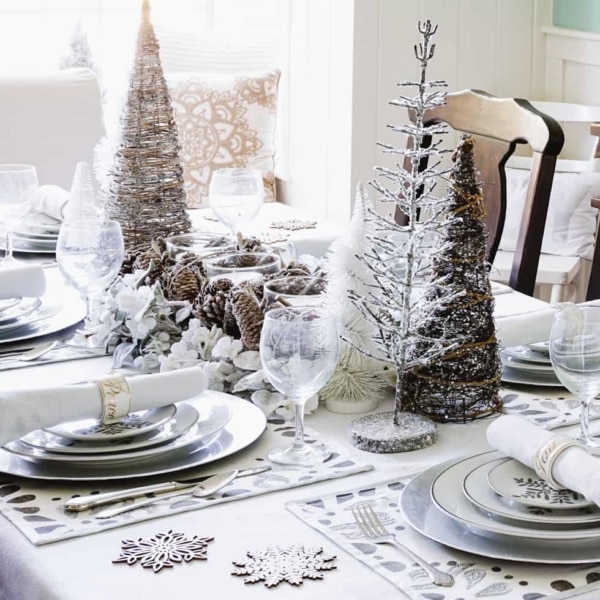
(17, 312)
(36, 237)
(494, 506)
(528, 365)
(137, 437)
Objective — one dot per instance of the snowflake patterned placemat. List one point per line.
(36, 508)
(475, 577)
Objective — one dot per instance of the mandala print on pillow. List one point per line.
(224, 121)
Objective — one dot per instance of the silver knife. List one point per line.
(92, 500)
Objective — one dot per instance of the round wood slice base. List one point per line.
(377, 433)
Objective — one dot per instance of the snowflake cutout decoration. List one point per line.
(293, 225)
(292, 564)
(163, 550)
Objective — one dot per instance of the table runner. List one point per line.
(35, 507)
(475, 577)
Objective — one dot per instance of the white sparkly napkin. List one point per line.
(51, 201)
(22, 411)
(574, 468)
(18, 279)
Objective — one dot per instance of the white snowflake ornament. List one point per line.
(275, 564)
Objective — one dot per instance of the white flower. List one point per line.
(140, 329)
(131, 301)
(226, 348)
(147, 362)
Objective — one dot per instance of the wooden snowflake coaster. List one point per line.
(292, 564)
(163, 550)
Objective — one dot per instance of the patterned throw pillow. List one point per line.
(224, 121)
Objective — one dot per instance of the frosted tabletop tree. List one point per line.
(145, 188)
(399, 303)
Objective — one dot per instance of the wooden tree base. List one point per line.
(377, 433)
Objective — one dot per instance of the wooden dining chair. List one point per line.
(593, 289)
(498, 125)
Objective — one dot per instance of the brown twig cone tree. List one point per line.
(462, 384)
(145, 192)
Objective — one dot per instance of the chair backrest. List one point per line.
(498, 125)
(593, 289)
(50, 120)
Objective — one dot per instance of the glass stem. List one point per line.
(585, 418)
(8, 253)
(299, 420)
(89, 309)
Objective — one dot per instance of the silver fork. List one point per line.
(374, 530)
(30, 355)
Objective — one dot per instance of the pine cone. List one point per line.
(251, 244)
(249, 317)
(210, 304)
(180, 283)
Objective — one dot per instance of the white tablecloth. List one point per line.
(81, 567)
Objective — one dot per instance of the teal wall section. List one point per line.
(583, 15)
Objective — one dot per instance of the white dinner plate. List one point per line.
(247, 424)
(214, 414)
(133, 424)
(65, 305)
(478, 491)
(521, 365)
(448, 496)
(20, 311)
(423, 516)
(543, 347)
(184, 417)
(527, 354)
(512, 479)
(528, 378)
(8, 303)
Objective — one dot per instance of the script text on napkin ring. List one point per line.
(116, 398)
(546, 456)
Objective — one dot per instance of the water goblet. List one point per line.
(575, 356)
(299, 349)
(236, 196)
(18, 188)
(89, 255)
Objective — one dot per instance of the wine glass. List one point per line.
(299, 348)
(18, 188)
(89, 255)
(575, 357)
(236, 196)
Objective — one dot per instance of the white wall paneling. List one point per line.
(347, 57)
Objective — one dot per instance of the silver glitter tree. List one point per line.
(399, 260)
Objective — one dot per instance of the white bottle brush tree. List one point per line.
(398, 259)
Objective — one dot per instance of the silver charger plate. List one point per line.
(447, 495)
(512, 479)
(66, 308)
(92, 430)
(184, 418)
(478, 491)
(424, 517)
(20, 311)
(213, 413)
(528, 354)
(247, 424)
(510, 375)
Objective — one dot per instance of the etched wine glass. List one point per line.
(89, 255)
(575, 357)
(18, 188)
(236, 195)
(299, 349)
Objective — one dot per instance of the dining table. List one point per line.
(47, 553)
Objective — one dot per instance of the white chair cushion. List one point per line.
(50, 120)
(571, 221)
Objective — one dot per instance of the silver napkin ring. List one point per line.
(547, 454)
(116, 398)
